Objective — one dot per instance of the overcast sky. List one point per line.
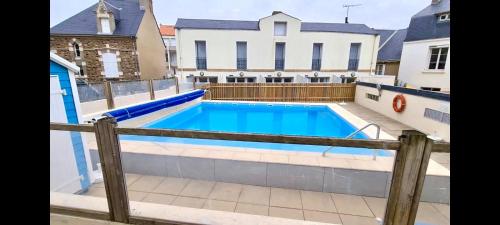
(380, 14)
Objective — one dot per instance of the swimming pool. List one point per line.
(261, 118)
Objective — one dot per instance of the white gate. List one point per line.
(63, 170)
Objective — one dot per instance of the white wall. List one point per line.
(415, 61)
(413, 115)
(377, 79)
(221, 50)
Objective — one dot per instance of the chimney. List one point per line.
(346, 20)
(433, 2)
(146, 4)
(276, 12)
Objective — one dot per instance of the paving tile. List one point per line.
(146, 183)
(220, 205)
(323, 217)
(318, 201)
(130, 178)
(171, 185)
(226, 192)
(357, 220)
(333, 162)
(351, 204)
(159, 198)
(96, 192)
(274, 158)
(241, 172)
(303, 160)
(247, 156)
(286, 213)
(198, 188)
(444, 209)
(136, 195)
(285, 198)
(189, 202)
(255, 195)
(295, 177)
(194, 168)
(347, 181)
(147, 164)
(252, 209)
(376, 205)
(428, 214)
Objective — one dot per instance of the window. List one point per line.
(437, 59)
(241, 55)
(430, 89)
(105, 29)
(379, 69)
(279, 57)
(110, 65)
(279, 28)
(320, 80)
(354, 57)
(316, 59)
(201, 55)
(76, 49)
(240, 80)
(437, 115)
(81, 71)
(372, 97)
(279, 79)
(205, 79)
(444, 17)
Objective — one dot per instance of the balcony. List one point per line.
(316, 65)
(241, 63)
(201, 63)
(353, 65)
(279, 64)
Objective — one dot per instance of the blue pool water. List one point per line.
(277, 119)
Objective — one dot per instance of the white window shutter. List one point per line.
(110, 65)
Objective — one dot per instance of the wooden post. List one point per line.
(108, 92)
(408, 177)
(176, 85)
(151, 90)
(114, 178)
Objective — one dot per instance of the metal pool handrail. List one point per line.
(356, 132)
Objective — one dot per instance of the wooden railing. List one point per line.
(413, 150)
(286, 92)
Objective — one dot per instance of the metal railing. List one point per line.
(241, 63)
(201, 63)
(316, 65)
(377, 136)
(279, 64)
(353, 64)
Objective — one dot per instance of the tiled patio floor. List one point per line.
(390, 126)
(275, 202)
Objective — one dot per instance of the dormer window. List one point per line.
(444, 17)
(105, 28)
(279, 28)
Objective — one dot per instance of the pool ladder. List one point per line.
(356, 132)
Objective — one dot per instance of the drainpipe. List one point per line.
(373, 53)
(136, 57)
(179, 53)
(168, 54)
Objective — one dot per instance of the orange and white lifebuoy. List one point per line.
(399, 103)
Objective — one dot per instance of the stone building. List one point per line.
(113, 39)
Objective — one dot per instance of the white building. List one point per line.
(425, 59)
(168, 36)
(278, 48)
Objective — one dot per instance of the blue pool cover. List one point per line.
(139, 110)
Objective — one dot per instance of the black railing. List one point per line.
(279, 64)
(353, 64)
(241, 63)
(201, 63)
(316, 65)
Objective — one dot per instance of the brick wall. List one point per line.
(90, 57)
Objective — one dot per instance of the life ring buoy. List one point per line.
(396, 100)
